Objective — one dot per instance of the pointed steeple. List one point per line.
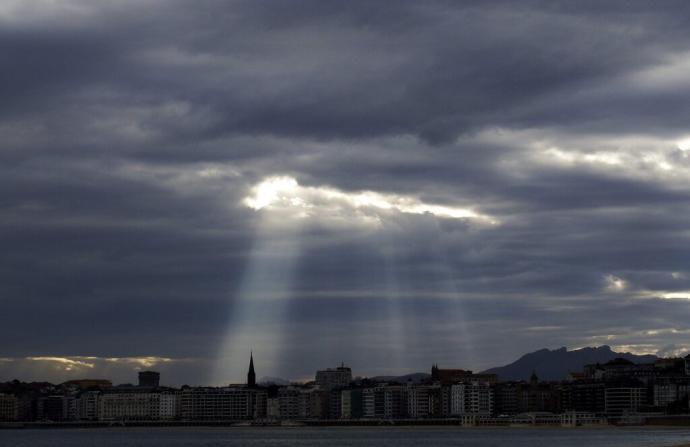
(251, 375)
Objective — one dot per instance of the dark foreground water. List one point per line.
(346, 436)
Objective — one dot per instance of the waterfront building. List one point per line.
(273, 408)
(623, 400)
(471, 398)
(169, 405)
(373, 402)
(88, 405)
(538, 397)
(289, 402)
(9, 407)
(505, 399)
(57, 408)
(230, 403)
(578, 418)
(351, 404)
(394, 402)
(668, 392)
(586, 396)
(129, 405)
(302, 403)
(424, 401)
(335, 403)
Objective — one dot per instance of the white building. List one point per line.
(88, 405)
(129, 405)
(471, 398)
(169, 406)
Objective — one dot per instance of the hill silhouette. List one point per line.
(556, 364)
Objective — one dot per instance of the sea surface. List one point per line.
(346, 436)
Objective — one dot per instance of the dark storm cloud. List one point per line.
(132, 131)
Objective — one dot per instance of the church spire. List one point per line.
(251, 375)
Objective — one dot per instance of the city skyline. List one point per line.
(183, 183)
(551, 368)
(597, 391)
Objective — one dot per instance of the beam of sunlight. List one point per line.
(258, 310)
(457, 314)
(396, 330)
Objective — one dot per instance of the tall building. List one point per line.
(150, 379)
(339, 377)
(251, 375)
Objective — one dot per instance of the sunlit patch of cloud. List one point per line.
(614, 283)
(285, 195)
(33, 10)
(684, 144)
(665, 294)
(56, 368)
(67, 363)
(650, 162)
(637, 348)
(637, 156)
(139, 362)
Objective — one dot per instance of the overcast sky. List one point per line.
(386, 184)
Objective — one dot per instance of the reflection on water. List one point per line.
(347, 436)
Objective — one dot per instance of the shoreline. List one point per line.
(316, 424)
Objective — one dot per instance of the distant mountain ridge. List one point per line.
(558, 363)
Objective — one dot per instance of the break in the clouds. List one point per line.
(285, 195)
(388, 185)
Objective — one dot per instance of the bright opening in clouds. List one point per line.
(684, 145)
(284, 194)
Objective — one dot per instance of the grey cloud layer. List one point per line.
(131, 132)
